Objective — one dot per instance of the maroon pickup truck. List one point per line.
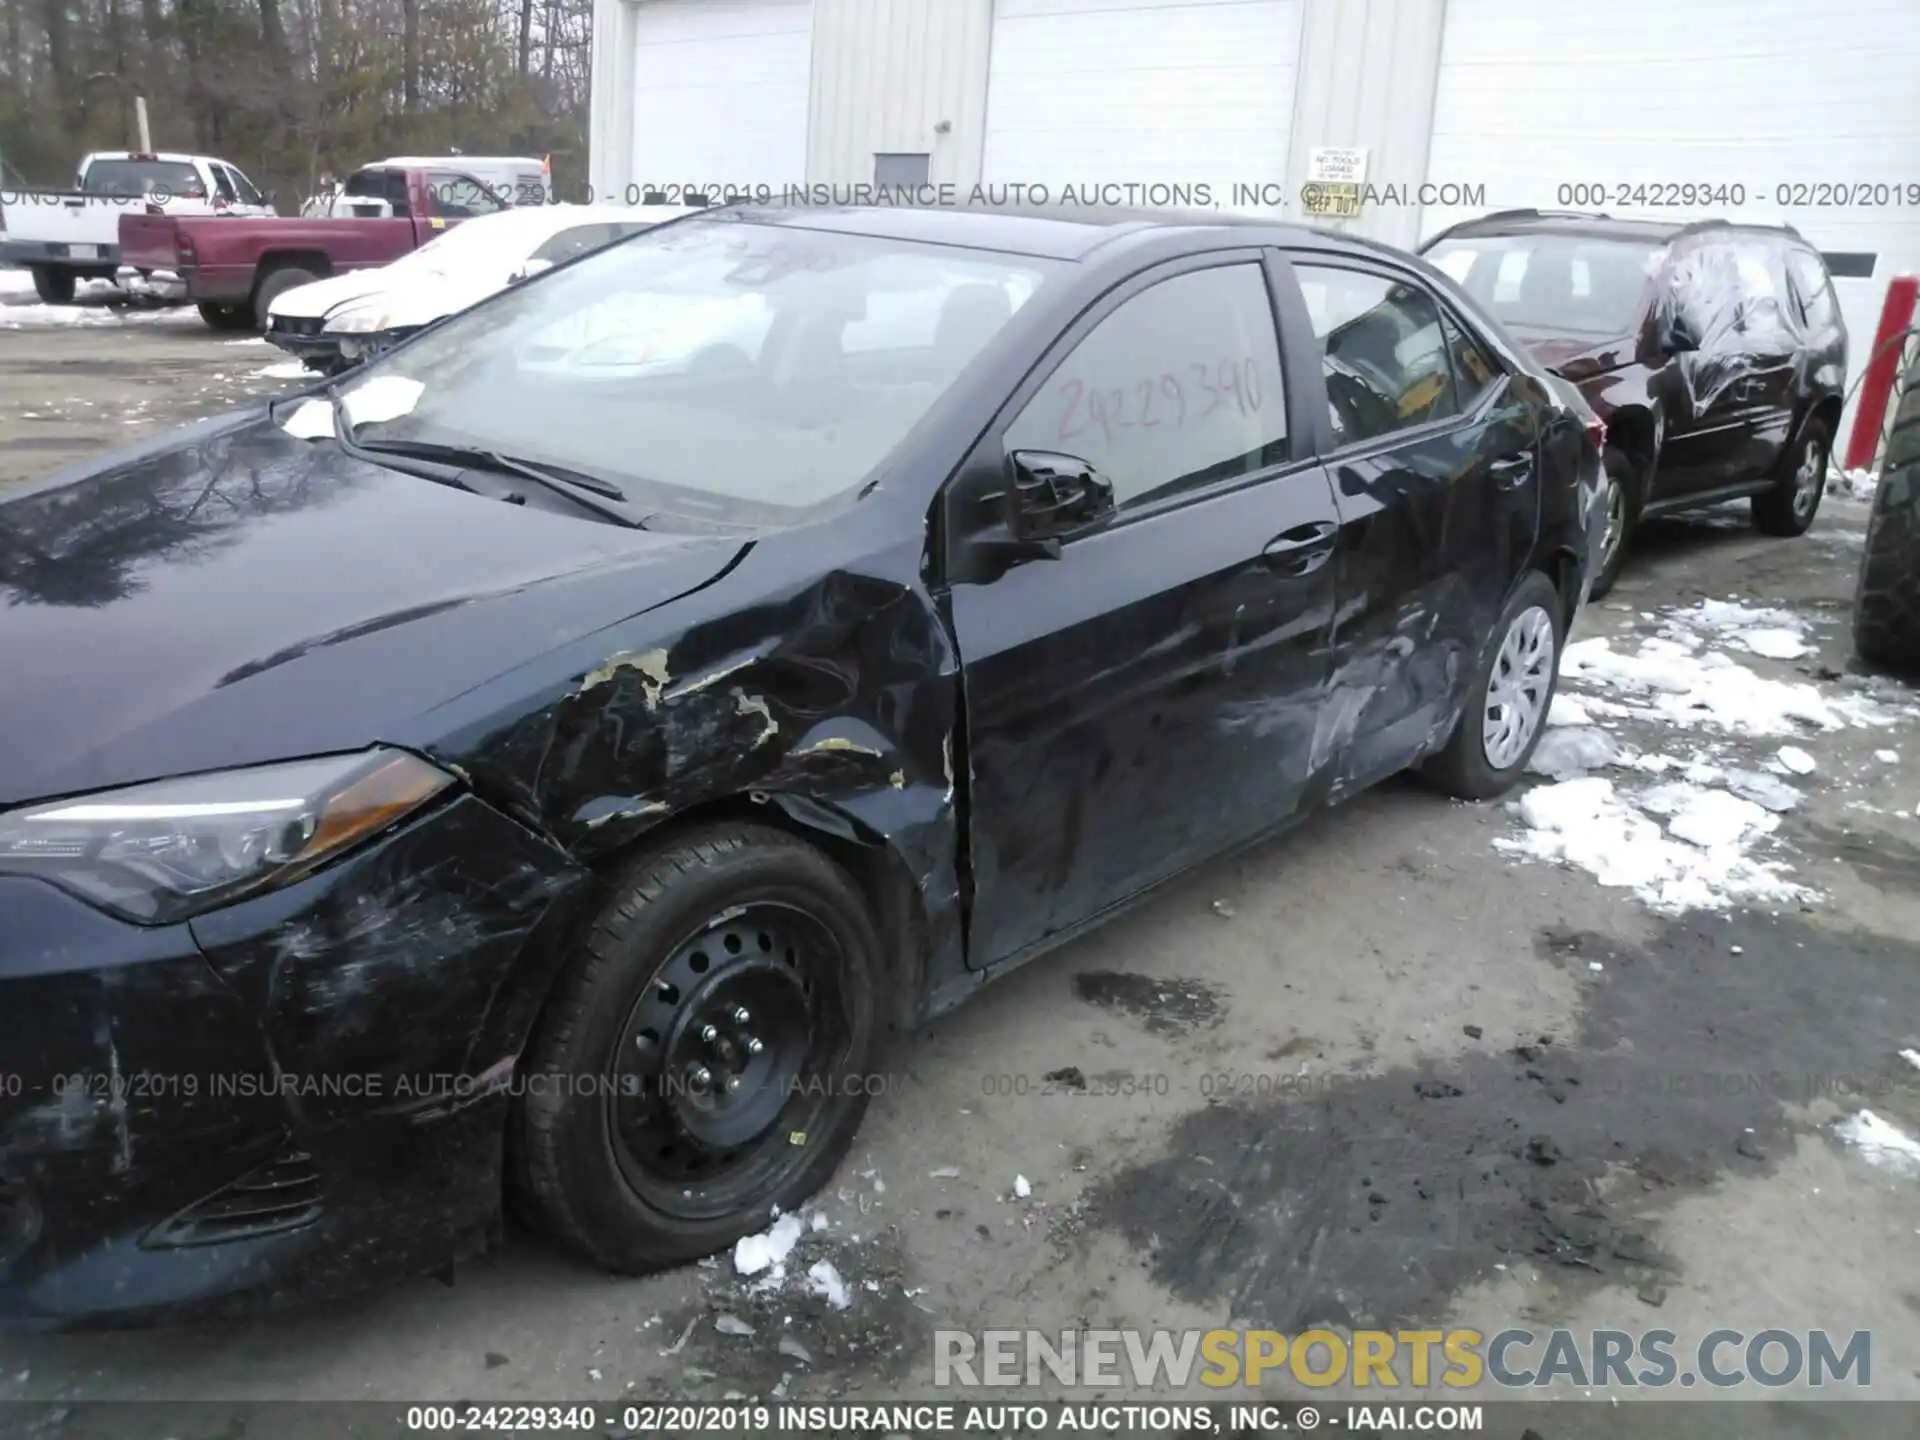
(233, 266)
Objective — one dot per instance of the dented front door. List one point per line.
(1146, 700)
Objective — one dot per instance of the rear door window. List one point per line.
(1383, 351)
(1812, 288)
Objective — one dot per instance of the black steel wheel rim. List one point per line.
(728, 1059)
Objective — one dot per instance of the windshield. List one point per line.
(713, 369)
(134, 178)
(1556, 284)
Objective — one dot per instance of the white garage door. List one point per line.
(1779, 98)
(1173, 93)
(720, 92)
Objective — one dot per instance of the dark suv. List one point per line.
(1714, 352)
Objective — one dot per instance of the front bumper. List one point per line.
(279, 1100)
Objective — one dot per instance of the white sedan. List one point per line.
(342, 320)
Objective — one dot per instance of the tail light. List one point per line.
(1597, 432)
(183, 248)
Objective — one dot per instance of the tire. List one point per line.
(272, 286)
(53, 286)
(602, 1140)
(1788, 508)
(1619, 473)
(1886, 611)
(1466, 769)
(226, 315)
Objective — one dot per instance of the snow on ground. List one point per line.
(1686, 823)
(1700, 860)
(21, 310)
(56, 317)
(285, 370)
(1881, 1143)
(1860, 484)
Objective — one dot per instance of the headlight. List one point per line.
(161, 852)
(362, 321)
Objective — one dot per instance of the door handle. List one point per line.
(1303, 549)
(1512, 470)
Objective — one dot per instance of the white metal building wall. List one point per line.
(898, 77)
(1140, 91)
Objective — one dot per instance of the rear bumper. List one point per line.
(284, 1099)
(59, 256)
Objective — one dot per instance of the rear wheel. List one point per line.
(1789, 506)
(704, 1055)
(272, 286)
(1506, 709)
(226, 315)
(52, 285)
(1886, 613)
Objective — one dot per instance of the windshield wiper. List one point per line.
(559, 478)
(478, 457)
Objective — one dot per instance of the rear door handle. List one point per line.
(1512, 470)
(1302, 549)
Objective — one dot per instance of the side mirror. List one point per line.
(1050, 495)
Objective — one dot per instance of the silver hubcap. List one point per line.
(1616, 498)
(1517, 689)
(1807, 480)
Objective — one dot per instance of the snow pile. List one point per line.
(767, 1255)
(54, 317)
(1568, 750)
(1700, 860)
(769, 1249)
(1761, 630)
(1667, 680)
(1881, 1143)
(286, 370)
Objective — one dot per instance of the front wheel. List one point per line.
(705, 1055)
(1789, 506)
(272, 286)
(1506, 710)
(1623, 515)
(226, 315)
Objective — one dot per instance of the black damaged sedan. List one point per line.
(539, 771)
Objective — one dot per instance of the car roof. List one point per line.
(1600, 226)
(1056, 232)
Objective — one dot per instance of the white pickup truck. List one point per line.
(65, 236)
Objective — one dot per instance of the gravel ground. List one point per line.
(1380, 1071)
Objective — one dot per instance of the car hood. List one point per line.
(231, 595)
(1579, 357)
(310, 302)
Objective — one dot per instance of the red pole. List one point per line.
(1876, 389)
